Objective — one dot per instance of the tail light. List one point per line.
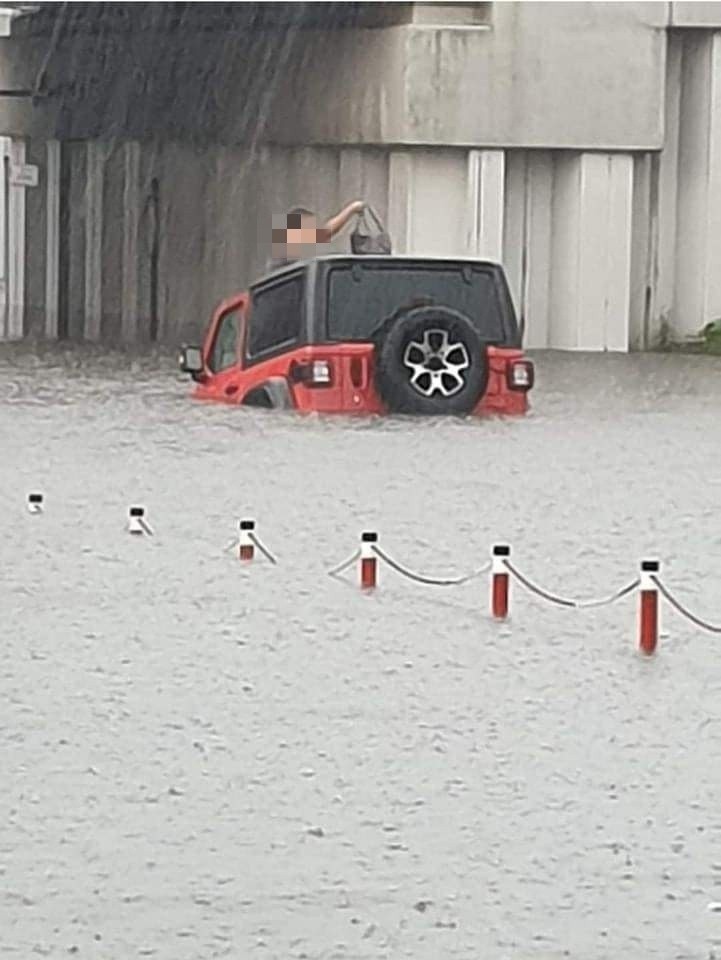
(314, 373)
(521, 375)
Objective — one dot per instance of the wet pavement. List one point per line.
(201, 760)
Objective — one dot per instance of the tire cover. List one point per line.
(412, 375)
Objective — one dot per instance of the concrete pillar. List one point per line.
(73, 179)
(4, 299)
(693, 185)
(52, 239)
(438, 202)
(663, 206)
(112, 245)
(536, 292)
(485, 186)
(16, 244)
(712, 225)
(129, 271)
(591, 252)
(94, 173)
(12, 239)
(514, 223)
(643, 250)
(527, 239)
(400, 200)
(698, 256)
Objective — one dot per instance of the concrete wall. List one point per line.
(522, 77)
(214, 211)
(526, 79)
(577, 142)
(696, 15)
(561, 222)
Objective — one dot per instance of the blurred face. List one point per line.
(298, 236)
(301, 229)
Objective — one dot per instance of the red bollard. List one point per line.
(369, 561)
(648, 612)
(499, 581)
(246, 549)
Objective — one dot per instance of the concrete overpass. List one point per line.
(577, 142)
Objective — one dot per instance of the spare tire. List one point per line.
(430, 360)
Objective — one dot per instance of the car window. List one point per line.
(276, 315)
(225, 346)
(360, 299)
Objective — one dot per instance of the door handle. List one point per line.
(231, 389)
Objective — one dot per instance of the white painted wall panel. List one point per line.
(563, 332)
(536, 293)
(438, 197)
(712, 240)
(16, 246)
(617, 280)
(692, 186)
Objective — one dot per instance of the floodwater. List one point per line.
(206, 760)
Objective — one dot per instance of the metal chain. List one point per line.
(431, 581)
(539, 591)
(564, 601)
(618, 595)
(679, 608)
(264, 550)
(342, 567)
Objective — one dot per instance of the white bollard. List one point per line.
(246, 546)
(137, 524)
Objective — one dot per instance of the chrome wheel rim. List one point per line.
(436, 364)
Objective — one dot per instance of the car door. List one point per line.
(222, 355)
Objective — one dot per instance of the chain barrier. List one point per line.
(606, 601)
(565, 601)
(679, 608)
(263, 549)
(430, 581)
(539, 591)
(35, 500)
(342, 567)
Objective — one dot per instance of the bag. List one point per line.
(369, 235)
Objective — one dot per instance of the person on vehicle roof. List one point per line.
(298, 239)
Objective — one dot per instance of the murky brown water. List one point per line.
(200, 760)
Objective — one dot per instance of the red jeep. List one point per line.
(370, 334)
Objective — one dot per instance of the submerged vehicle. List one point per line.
(368, 334)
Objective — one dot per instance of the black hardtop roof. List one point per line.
(349, 258)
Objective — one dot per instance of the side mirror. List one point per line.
(191, 361)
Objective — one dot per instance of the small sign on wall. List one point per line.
(23, 175)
